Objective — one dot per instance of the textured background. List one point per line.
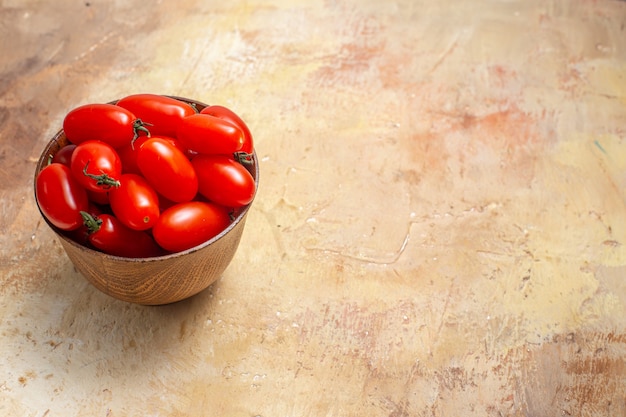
(439, 228)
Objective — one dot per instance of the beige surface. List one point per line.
(439, 229)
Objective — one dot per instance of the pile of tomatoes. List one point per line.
(148, 175)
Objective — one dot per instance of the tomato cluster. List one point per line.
(147, 175)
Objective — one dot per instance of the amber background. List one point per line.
(439, 229)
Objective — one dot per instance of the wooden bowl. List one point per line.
(159, 280)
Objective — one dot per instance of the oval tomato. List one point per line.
(206, 134)
(64, 155)
(109, 235)
(186, 225)
(60, 197)
(128, 153)
(162, 113)
(134, 202)
(223, 180)
(167, 170)
(229, 115)
(96, 165)
(105, 122)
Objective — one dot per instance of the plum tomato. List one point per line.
(108, 123)
(223, 180)
(96, 165)
(167, 170)
(109, 235)
(186, 225)
(134, 202)
(64, 155)
(60, 197)
(206, 134)
(229, 115)
(162, 113)
(128, 153)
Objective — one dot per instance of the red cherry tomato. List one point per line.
(167, 170)
(186, 225)
(134, 202)
(105, 122)
(223, 180)
(109, 235)
(128, 153)
(162, 113)
(227, 114)
(96, 165)
(64, 155)
(207, 134)
(60, 197)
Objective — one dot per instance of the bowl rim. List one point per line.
(241, 212)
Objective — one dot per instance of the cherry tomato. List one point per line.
(109, 235)
(229, 115)
(96, 165)
(64, 155)
(186, 225)
(223, 180)
(60, 197)
(207, 134)
(167, 170)
(134, 202)
(128, 153)
(105, 122)
(162, 113)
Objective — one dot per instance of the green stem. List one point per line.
(140, 126)
(92, 223)
(102, 179)
(243, 158)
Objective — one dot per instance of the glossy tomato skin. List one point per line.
(128, 154)
(96, 165)
(64, 155)
(60, 197)
(223, 180)
(229, 115)
(167, 170)
(163, 113)
(134, 202)
(112, 237)
(206, 134)
(186, 225)
(108, 123)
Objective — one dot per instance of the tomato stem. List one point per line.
(243, 158)
(92, 223)
(139, 126)
(102, 179)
